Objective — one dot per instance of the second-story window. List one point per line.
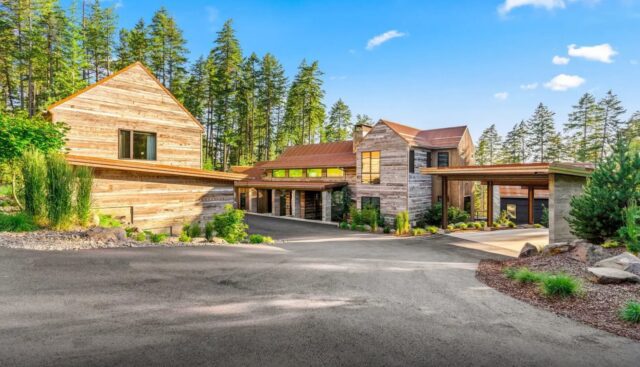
(136, 145)
(429, 163)
(335, 172)
(314, 172)
(371, 167)
(295, 173)
(443, 159)
(279, 173)
(412, 161)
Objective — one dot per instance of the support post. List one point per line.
(530, 203)
(490, 204)
(445, 201)
(326, 206)
(275, 202)
(294, 203)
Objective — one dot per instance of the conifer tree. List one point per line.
(248, 114)
(339, 125)
(305, 111)
(167, 51)
(542, 135)
(272, 89)
(68, 76)
(514, 147)
(581, 129)
(611, 124)
(489, 146)
(363, 119)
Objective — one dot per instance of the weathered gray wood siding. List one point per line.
(419, 187)
(394, 171)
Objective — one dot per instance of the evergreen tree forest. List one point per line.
(250, 109)
(590, 131)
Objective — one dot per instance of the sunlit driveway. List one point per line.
(324, 297)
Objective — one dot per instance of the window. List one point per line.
(443, 159)
(370, 202)
(314, 172)
(412, 161)
(136, 145)
(511, 211)
(335, 172)
(295, 173)
(371, 167)
(279, 173)
(429, 163)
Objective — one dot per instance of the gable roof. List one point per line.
(137, 64)
(444, 138)
(336, 154)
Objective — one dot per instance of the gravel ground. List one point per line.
(76, 240)
(598, 306)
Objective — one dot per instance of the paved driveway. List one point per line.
(506, 242)
(318, 299)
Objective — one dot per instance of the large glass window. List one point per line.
(443, 159)
(279, 173)
(136, 145)
(370, 202)
(335, 172)
(371, 167)
(314, 172)
(296, 173)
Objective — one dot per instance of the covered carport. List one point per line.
(563, 180)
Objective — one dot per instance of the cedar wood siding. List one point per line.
(132, 100)
(394, 171)
(463, 155)
(419, 187)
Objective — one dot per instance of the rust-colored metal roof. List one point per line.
(337, 154)
(254, 172)
(522, 192)
(135, 166)
(290, 185)
(444, 138)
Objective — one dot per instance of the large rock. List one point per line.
(587, 252)
(625, 261)
(557, 248)
(102, 234)
(611, 276)
(528, 250)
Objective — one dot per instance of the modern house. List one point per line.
(379, 167)
(145, 149)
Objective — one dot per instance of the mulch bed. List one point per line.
(598, 306)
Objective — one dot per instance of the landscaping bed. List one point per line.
(597, 304)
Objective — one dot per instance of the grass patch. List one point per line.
(631, 312)
(158, 237)
(418, 231)
(141, 237)
(19, 222)
(524, 275)
(560, 285)
(184, 237)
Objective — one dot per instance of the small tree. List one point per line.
(230, 224)
(84, 183)
(598, 213)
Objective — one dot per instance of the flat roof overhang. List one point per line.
(291, 185)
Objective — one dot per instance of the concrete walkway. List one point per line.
(507, 242)
(323, 298)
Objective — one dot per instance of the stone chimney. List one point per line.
(359, 132)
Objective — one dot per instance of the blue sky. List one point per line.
(450, 62)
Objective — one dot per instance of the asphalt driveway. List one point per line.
(324, 297)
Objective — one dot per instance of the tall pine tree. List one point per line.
(610, 123)
(581, 129)
(543, 139)
(489, 146)
(339, 125)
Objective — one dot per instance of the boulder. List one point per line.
(528, 250)
(102, 234)
(611, 276)
(587, 252)
(625, 261)
(558, 248)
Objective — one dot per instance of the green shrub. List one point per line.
(560, 285)
(433, 216)
(478, 225)
(195, 230)
(611, 244)
(418, 232)
(355, 215)
(360, 228)
(510, 272)
(184, 237)
(510, 224)
(108, 221)
(461, 225)
(19, 222)
(524, 275)
(34, 177)
(353, 226)
(483, 223)
(386, 229)
(344, 225)
(230, 224)
(370, 216)
(451, 227)
(84, 183)
(258, 238)
(59, 191)
(631, 312)
(158, 237)
(267, 239)
(432, 229)
(538, 225)
(630, 232)
(598, 213)
(544, 219)
(129, 230)
(209, 231)
(402, 223)
(141, 237)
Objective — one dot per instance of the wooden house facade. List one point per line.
(145, 149)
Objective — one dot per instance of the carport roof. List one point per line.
(533, 174)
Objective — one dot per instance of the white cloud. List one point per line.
(509, 5)
(562, 82)
(559, 60)
(382, 38)
(501, 96)
(602, 53)
(212, 14)
(530, 86)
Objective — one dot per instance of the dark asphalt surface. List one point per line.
(323, 298)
